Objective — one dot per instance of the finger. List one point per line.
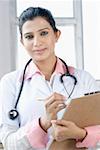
(54, 97)
(53, 100)
(53, 125)
(60, 107)
(56, 106)
(53, 121)
(63, 122)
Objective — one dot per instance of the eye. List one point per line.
(29, 37)
(43, 33)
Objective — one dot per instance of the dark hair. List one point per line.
(33, 12)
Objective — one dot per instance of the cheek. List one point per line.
(52, 43)
(27, 45)
(52, 40)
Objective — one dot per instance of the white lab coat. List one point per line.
(29, 107)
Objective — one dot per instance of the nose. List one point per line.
(37, 41)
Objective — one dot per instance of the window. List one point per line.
(59, 8)
(91, 30)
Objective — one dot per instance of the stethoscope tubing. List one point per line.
(13, 114)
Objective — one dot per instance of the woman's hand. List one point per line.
(53, 104)
(63, 130)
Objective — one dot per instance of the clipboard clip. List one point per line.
(95, 92)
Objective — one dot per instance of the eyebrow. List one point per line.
(43, 29)
(37, 31)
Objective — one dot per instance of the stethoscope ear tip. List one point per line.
(13, 114)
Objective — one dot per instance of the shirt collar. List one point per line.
(32, 69)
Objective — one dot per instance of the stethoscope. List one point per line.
(13, 113)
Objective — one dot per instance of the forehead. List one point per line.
(36, 24)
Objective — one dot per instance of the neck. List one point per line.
(47, 67)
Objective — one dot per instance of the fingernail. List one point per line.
(60, 105)
(53, 121)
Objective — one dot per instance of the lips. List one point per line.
(40, 50)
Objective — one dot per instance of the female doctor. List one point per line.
(33, 97)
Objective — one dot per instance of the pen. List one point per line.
(45, 99)
(41, 99)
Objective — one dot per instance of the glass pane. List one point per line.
(91, 20)
(59, 8)
(65, 48)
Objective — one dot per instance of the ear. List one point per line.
(58, 33)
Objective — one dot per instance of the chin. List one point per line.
(39, 59)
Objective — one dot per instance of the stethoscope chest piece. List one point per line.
(13, 114)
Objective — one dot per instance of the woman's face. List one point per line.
(39, 39)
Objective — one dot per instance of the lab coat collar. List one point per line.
(32, 70)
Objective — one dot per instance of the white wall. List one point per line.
(7, 38)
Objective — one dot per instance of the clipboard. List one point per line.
(83, 111)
